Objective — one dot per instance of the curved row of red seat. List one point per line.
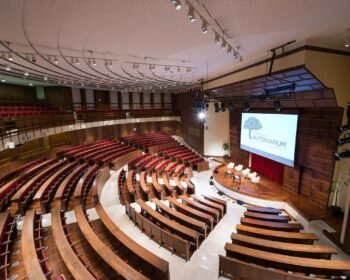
(19, 170)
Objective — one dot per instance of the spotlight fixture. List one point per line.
(56, 60)
(188, 70)
(217, 38)
(230, 107)
(344, 128)
(340, 142)
(72, 60)
(223, 106)
(49, 58)
(166, 68)
(204, 27)
(7, 67)
(177, 4)
(33, 58)
(30, 84)
(246, 106)
(338, 156)
(190, 14)
(201, 115)
(347, 40)
(3, 80)
(10, 58)
(216, 107)
(45, 78)
(94, 62)
(277, 106)
(26, 73)
(178, 69)
(77, 61)
(223, 44)
(110, 64)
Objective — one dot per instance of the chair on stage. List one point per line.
(245, 172)
(255, 179)
(252, 175)
(239, 167)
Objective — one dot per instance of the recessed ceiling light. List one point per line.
(31, 84)
(26, 73)
(3, 80)
(45, 78)
(7, 68)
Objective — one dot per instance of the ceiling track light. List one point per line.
(190, 14)
(94, 63)
(7, 67)
(26, 73)
(223, 44)
(217, 38)
(10, 58)
(246, 106)
(277, 105)
(77, 61)
(56, 60)
(33, 58)
(110, 64)
(177, 4)
(204, 27)
(347, 40)
(45, 78)
(72, 60)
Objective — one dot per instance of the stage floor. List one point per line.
(271, 190)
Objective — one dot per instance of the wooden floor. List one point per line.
(271, 190)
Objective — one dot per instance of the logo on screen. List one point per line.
(252, 124)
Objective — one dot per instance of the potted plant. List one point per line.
(336, 188)
(226, 147)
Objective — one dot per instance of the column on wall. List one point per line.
(162, 100)
(141, 100)
(83, 99)
(152, 100)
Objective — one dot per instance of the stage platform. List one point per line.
(270, 190)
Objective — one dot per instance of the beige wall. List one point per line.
(217, 132)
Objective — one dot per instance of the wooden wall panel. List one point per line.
(237, 154)
(192, 128)
(59, 96)
(17, 94)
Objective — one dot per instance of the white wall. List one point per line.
(218, 132)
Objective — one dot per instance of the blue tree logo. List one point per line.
(252, 124)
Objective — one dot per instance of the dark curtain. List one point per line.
(268, 168)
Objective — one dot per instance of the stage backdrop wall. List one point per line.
(314, 163)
